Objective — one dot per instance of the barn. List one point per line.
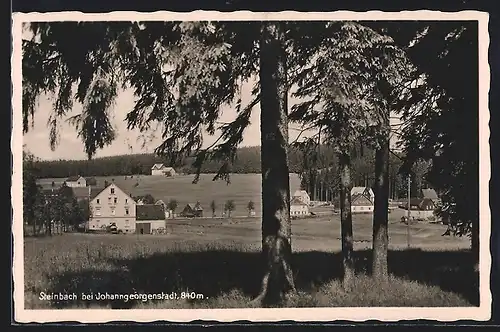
(149, 217)
(192, 210)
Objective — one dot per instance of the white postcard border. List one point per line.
(480, 313)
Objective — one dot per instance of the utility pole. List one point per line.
(409, 213)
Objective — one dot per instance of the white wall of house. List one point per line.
(157, 172)
(421, 214)
(361, 208)
(299, 210)
(155, 224)
(112, 205)
(81, 182)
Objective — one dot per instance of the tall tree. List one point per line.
(440, 114)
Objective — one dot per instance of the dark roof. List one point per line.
(429, 193)
(83, 192)
(357, 196)
(195, 207)
(149, 212)
(421, 202)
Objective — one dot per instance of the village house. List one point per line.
(422, 208)
(76, 181)
(432, 195)
(303, 196)
(298, 207)
(112, 206)
(192, 210)
(362, 202)
(160, 169)
(149, 217)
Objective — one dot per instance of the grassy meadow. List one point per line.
(217, 262)
(242, 189)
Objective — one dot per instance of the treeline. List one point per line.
(322, 185)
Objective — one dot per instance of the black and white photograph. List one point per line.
(250, 166)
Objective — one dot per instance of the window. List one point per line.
(112, 190)
(109, 200)
(97, 211)
(126, 211)
(126, 200)
(78, 182)
(98, 201)
(115, 200)
(113, 212)
(127, 221)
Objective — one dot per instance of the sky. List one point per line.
(127, 141)
(70, 146)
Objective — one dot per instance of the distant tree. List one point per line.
(229, 207)
(213, 207)
(148, 199)
(53, 184)
(250, 207)
(106, 183)
(172, 206)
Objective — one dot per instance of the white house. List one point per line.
(298, 207)
(112, 206)
(367, 191)
(303, 196)
(160, 169)
(362, 203)
(76, 181)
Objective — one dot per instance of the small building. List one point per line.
(76, 181)
(432, 195)
(112, 206)
(366, 191)
(192, 210)
(422, 208)
(160, 169)
(362, 203)
(149, 217)
(298, 207)
(303, 196)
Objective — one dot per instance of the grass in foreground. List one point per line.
(229, 275)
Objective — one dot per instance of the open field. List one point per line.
(242, 189)
(219, 260)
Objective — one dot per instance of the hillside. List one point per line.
(247, 162)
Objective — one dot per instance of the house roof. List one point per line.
(300, 193)
(361, 190)
(83, 192)
(429, 193)
(421, 202)
(195, 206)
(296, 201)
(157, 166)
(73, 178)
(359, 195)
(149, 212)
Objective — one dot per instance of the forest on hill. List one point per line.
(247, 162)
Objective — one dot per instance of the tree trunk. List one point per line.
(276, 223)
(346, 219)
(380, 213)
